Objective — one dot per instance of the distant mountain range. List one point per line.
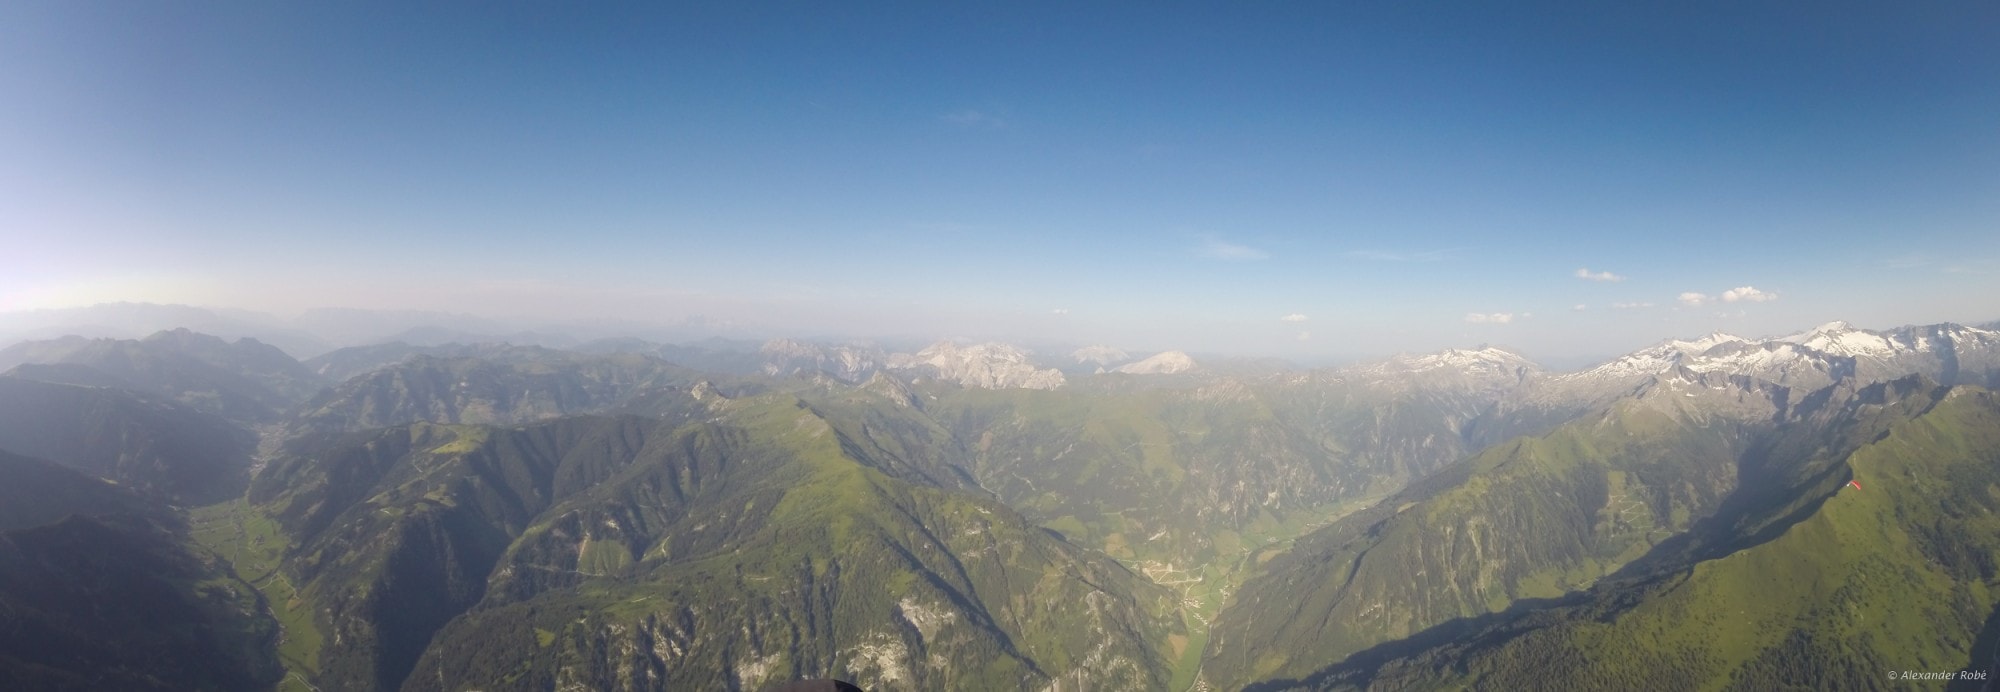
(728, 515)
(244, 380)
(140, 442)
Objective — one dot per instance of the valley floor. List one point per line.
(1205, 589)
(253, 546)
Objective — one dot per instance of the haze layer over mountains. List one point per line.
(973, 346)
(622, 513)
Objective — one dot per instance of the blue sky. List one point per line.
(1406, 177)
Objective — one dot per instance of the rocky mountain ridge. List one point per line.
(986, 365)
(443, 509)
(1163, 363)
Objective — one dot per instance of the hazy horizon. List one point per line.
(325, 329)
(1307, 183)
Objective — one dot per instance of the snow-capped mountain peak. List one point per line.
(1843, 339)
(1833, 327)
(1485, 368)
(1778, 362)
(1705, 343)
(1475, 360)
(1816, 357)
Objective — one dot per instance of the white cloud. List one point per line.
(1059, 311)
(1217, 248)
(1740, 294)
(1294, 318)
(1489, 318)
(1630, 306)
(1580, 307)
(1747, 293)
(1587, 275)
(1305, 336)
(974, 119)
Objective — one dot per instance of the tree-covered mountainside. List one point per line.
(244, 380)
(100, 589)
(770, 542)
(1893, 573)
(145, 443)
(37, 492)
(342, 364)
(504, 517)
(504, 385)
(1691, 463)
(1185, 479)
(346, 363)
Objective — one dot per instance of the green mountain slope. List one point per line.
(852, 575)
(1689, 464)
(343, 364)
(747, 533)
(147, 444)
(99, 589)
(1196, 470)
(244, 380)
(1187, 480)
(499, 386)
(37, 492)
(1896, 575)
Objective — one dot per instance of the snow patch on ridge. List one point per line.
(1486, 359)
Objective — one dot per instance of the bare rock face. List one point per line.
(1102, 356)
(987, 366)
(847, 363)
(1167, 363)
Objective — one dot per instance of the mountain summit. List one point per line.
(487, 515)
(1166, 363)
(985, 366)
(1101, 356)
